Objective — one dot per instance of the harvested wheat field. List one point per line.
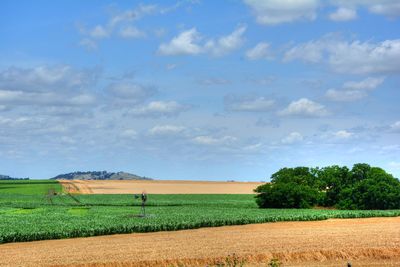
(157, 187)
(334, 242)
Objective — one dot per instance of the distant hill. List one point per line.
(99, 175)
(6, 177)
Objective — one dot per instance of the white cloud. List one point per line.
(310, 52)
(210, 140)
(80, 99)
(22, 98)
(248, 103)
(292, 138)
(271, 12)
(160, 32)
(349, 57)
(388, 8)
(159, 108)
(395, 126)
(352, 90)
(12, 122)
(131, 32)
(343, 134)
(262, 81)
(189, 43)
(260, 51)
(394, 165)
(130, 92)
(46, 78)
(304, 107)
(345, 95)
(214, 81)
(171, 66)
(47, 86)
(343, 14)
(133, 14)
(67, 140)
(88, 44)
(120, 18)
(99, 32)
(162, 130)
(253, 147)
(366, 84)
(129, 134)
(226, 44)
(183, 44)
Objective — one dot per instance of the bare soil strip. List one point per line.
(157, 187)
(334, 242)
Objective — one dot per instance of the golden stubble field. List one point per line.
(334, 242)
(157, 187)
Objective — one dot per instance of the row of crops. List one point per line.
(28, 217)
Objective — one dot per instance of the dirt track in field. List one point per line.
(76, 186)
(334, 242)
(157, 187)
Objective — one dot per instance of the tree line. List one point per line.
(6, 177)
(361, 187)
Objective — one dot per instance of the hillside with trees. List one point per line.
(6, 177)
(362, 187)
(99, 175)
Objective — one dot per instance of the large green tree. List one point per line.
(362, 187)
(376, 190)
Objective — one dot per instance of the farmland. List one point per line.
(27, 215)
(158, 187)
(28, 187)
(333, 242)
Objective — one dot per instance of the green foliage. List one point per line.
(371, 194)
(287, 195)
(333, 179)
(274, 263)
(298, 175)
(231, 261)
(362, 187)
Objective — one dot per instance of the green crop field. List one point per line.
(28, 187)
(26, 214)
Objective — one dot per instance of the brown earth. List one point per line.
(334, 242)
(157, 187)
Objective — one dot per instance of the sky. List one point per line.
(198, 90)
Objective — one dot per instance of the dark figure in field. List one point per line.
(144, 199)
(143, 196)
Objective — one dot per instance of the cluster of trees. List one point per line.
(6, 177)
(362, 187)
(100, 175)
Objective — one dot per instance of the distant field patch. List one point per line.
(158, 187)
(28, 187)
(78, 211)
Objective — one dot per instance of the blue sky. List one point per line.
(205, 90)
